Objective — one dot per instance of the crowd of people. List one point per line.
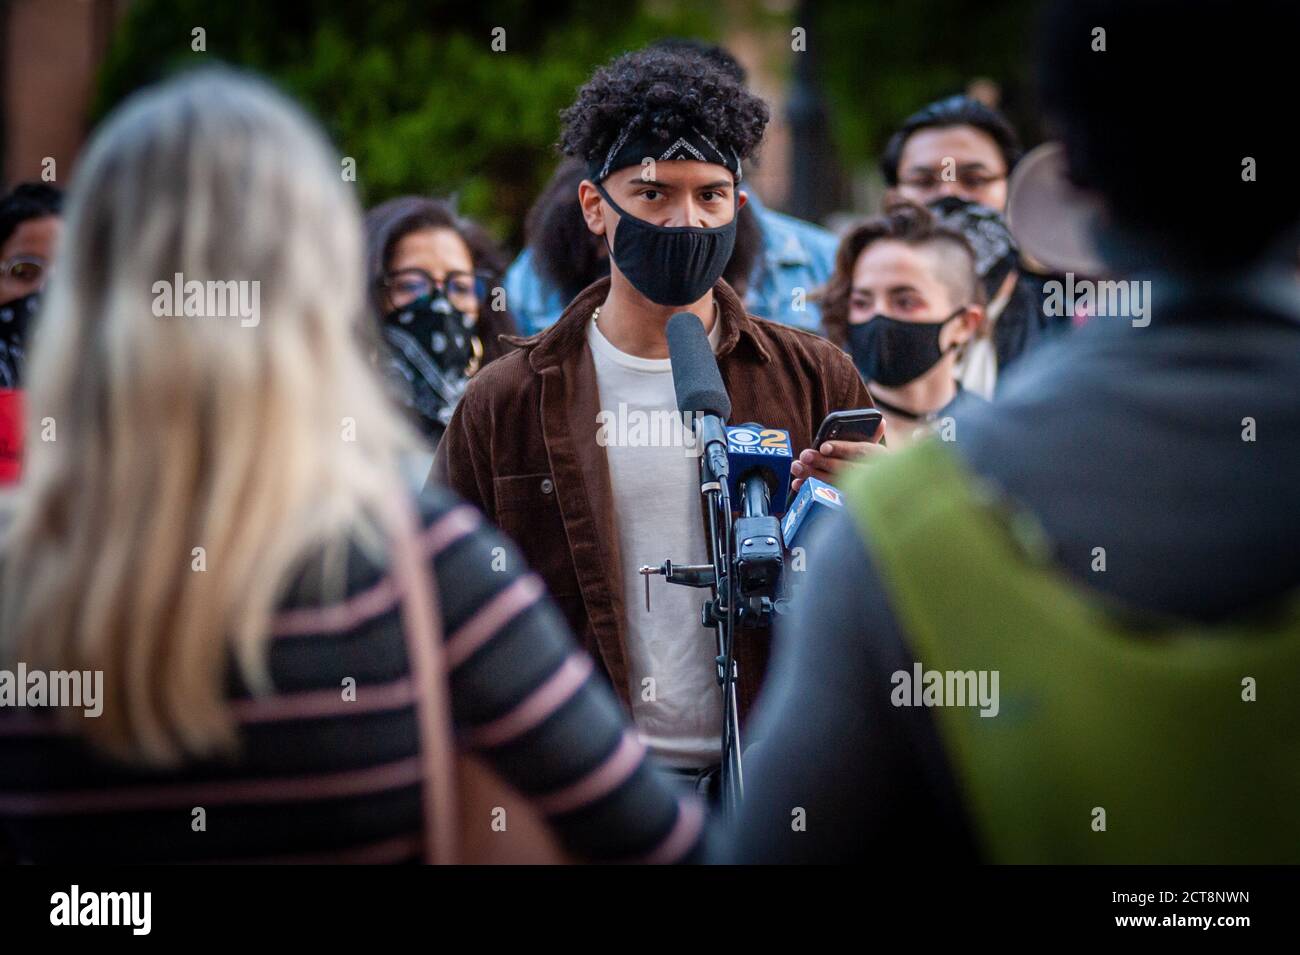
(370, 560)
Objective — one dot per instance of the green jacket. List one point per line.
(1115, 739)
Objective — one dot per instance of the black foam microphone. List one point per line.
(699, 387)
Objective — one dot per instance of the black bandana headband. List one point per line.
(629, 150)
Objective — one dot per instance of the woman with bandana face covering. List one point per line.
(903, 300)
(30, 222)
(432, 275)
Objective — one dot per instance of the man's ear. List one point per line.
(741, 199)
(971, 321)
(591, 202)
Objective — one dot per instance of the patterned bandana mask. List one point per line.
(433, 348)
(17, 318)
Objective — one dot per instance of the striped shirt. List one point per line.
(322, 778)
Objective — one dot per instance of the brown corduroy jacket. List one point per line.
(522, 447)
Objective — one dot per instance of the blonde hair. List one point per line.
(149, 437)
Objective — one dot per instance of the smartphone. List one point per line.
(859, 424)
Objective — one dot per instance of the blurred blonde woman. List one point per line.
(212, 519)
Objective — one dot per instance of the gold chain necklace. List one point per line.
(595, 315)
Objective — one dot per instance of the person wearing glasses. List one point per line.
(30, 222)
(954, 156)
(29, 230)
(956, 146)
(432, 275)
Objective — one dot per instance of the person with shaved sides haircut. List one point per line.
(903, 300)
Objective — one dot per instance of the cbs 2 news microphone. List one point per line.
(745, 467)
(745, 481)
(770, 526)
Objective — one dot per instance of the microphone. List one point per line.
(699, 387)
(814, 501)
(700, 392)
(760, 460)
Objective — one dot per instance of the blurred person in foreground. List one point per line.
(903, 299)
(215, 572)
(30, 223)
(1073, 634)
(432, 273)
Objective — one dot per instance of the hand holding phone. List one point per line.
(860, 424)
(843, 430)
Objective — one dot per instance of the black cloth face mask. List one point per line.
(432, 351)
(891, 352)
(17, 318)
(670, 265)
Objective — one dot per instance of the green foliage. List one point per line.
(884, 59)
(412, 90)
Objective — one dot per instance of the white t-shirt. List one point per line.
(672, 676)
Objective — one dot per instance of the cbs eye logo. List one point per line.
(746, 438)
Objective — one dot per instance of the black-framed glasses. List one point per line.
(464, 290)
(972, 180)
(28, 269)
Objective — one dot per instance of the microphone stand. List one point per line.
(743, 579)
(719, 612)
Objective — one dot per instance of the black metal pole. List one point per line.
(810, 195)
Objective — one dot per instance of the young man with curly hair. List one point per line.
(662, 136)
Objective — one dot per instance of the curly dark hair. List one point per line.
(720, 56)
(566, 254)
(663, 92)
(903, 222)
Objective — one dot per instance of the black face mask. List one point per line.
(432, 351)
(670, 265)
(17, 317)
(891, 352)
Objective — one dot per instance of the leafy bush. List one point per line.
(411, 89)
